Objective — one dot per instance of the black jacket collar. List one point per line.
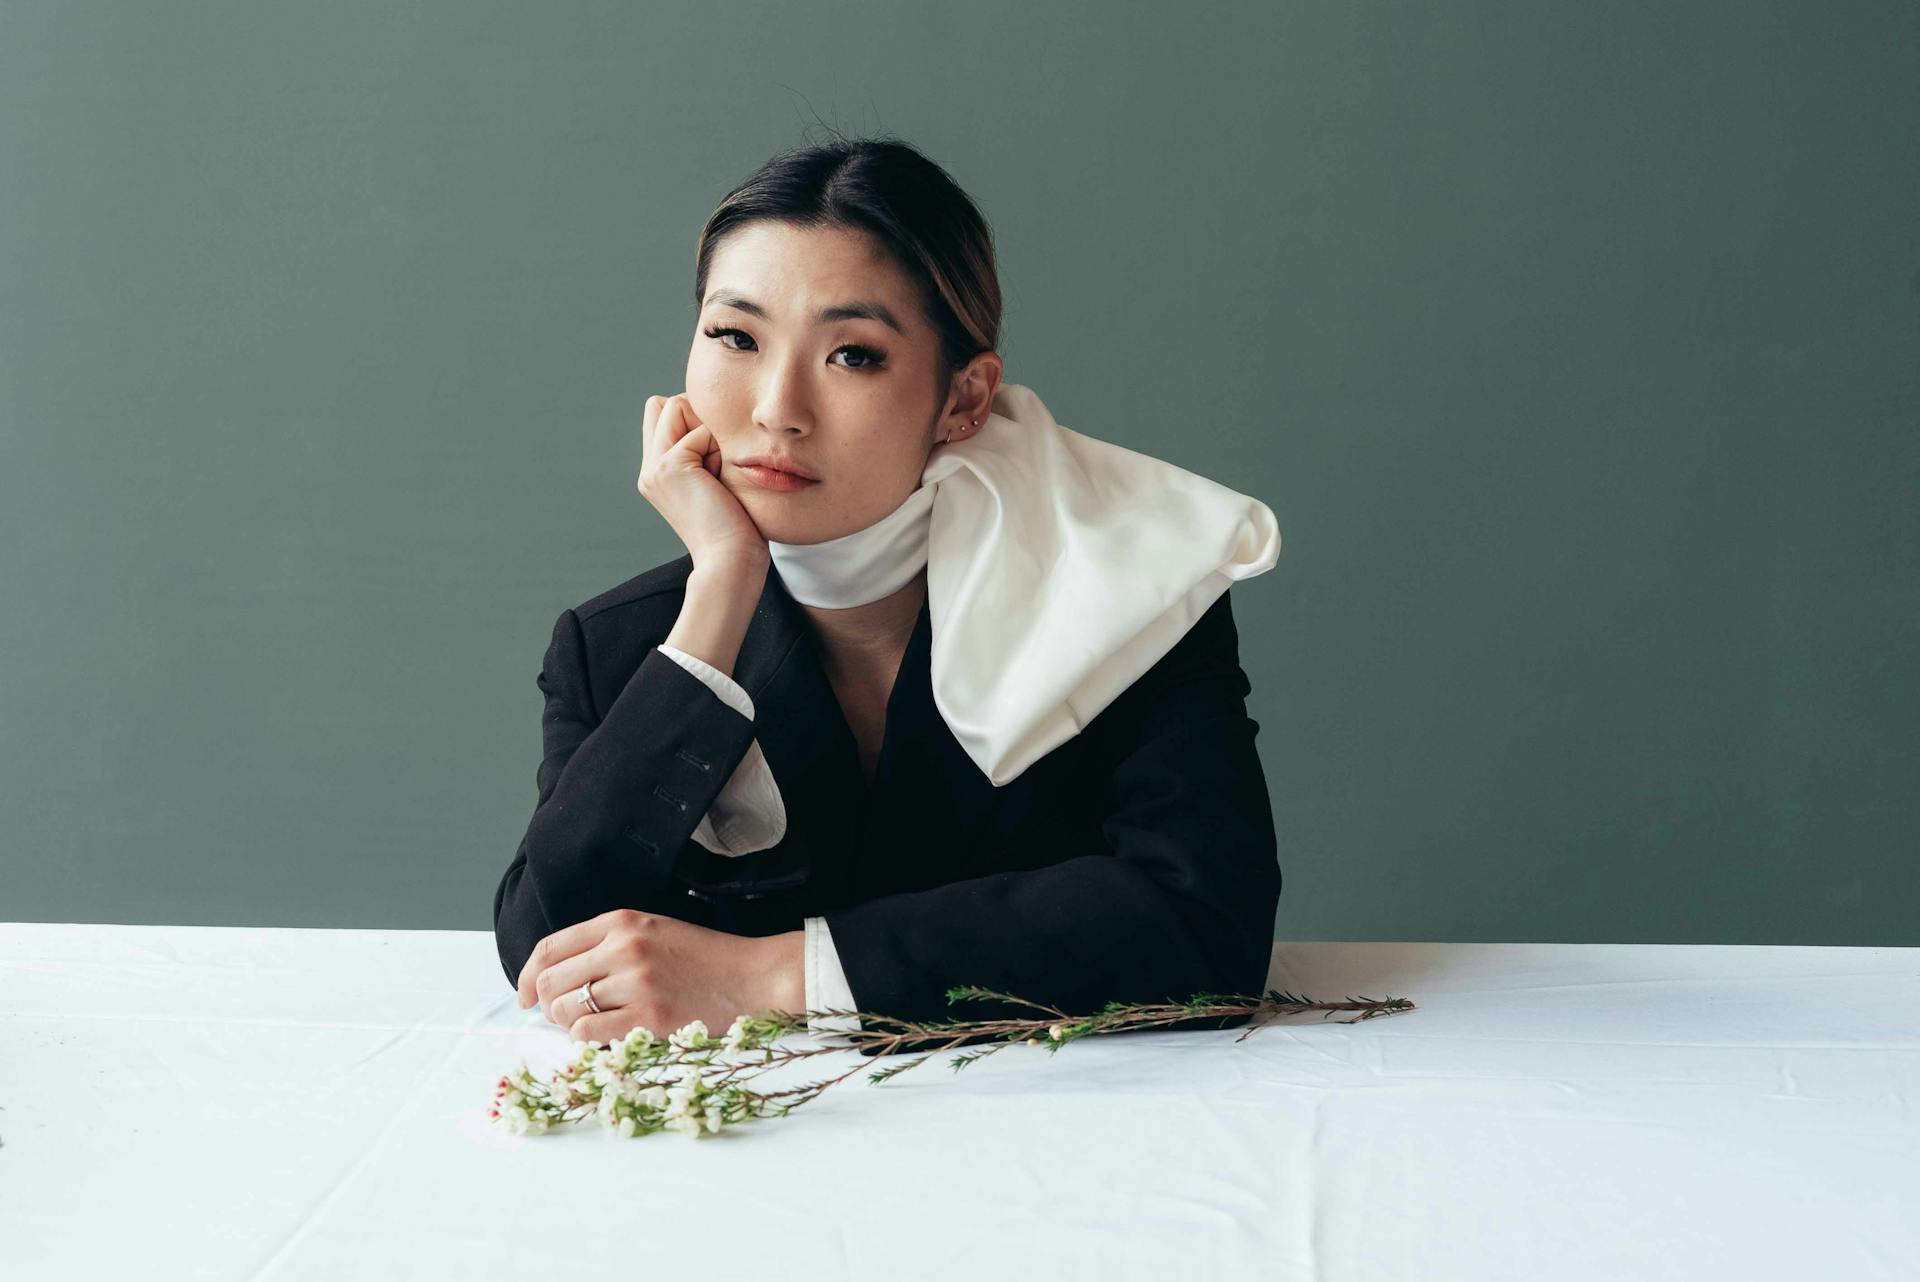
(803, 733)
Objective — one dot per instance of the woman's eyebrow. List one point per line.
(826, 315)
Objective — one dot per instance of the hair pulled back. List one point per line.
(911, 207)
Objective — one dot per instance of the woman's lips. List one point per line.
(768, 478)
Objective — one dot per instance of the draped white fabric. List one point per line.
(1060, 567)
(184, 1101)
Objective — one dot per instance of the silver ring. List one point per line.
(585, 994)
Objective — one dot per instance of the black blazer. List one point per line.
(1136, 862)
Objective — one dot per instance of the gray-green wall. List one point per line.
(1576, 346)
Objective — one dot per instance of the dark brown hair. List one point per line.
(908, 204)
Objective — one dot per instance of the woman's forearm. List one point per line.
(714, 615)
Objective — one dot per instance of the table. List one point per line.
(218, 1102)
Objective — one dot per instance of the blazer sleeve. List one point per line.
(1175, 897)
(619, 795)
(748, 814)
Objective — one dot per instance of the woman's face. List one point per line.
(856, 401)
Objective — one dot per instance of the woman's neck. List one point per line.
(867, 638)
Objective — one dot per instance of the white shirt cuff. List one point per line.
(726, 687)
(827, 982)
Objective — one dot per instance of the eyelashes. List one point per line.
(871, 358)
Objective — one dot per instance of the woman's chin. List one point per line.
(778, 522)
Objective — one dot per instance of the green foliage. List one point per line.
(882, 1074)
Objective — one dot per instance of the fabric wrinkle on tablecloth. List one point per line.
(311, 1103)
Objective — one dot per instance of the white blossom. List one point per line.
(736, 1033)
(681, 1094)
(690, 1036)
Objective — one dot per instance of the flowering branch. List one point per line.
(610, 1082)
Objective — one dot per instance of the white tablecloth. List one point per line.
(271, 1103)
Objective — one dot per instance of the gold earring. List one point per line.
(948, 438)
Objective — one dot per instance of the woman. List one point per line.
(750, 801)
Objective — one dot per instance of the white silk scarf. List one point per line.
(1059, 568)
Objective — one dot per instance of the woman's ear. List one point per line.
(970, 396)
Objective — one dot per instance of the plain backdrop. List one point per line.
(1573, 345)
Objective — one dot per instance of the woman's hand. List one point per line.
(660, 972)
(680, 476)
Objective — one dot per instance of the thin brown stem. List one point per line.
(885, 1035)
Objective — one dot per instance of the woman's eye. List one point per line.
(869, 358)
(721, 331)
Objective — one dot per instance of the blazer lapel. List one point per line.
(804, 736)
(929, 801)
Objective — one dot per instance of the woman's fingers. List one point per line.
(673, 421)
(698, 442)
(662, 425)
(561, 945)
(603, 1029)
(560, 986)
(649, 425)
